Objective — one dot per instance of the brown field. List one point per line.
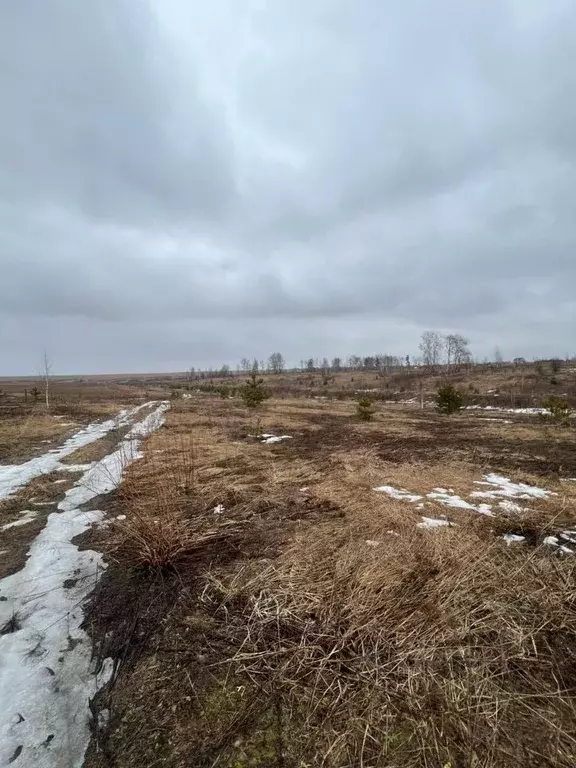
(308, 620)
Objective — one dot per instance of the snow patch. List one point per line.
(510, 506)
(513, 538)
(433, 522)
(503, 486)
(448, 500)
(560, 549)
(268, 439)
(397, 493)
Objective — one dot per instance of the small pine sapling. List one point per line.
(253, 393)
(365, 409)
(449, 400)
(558, 409)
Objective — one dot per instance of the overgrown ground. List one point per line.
(267, 607)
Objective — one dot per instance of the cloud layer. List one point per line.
(187, 184)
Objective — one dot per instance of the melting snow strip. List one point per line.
(46, 679)
(15, 476)
(502, 409)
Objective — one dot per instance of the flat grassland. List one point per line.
(396, 593)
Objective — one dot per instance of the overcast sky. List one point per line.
(188, 183)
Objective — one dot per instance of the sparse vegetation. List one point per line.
(319, 625)
(449, 400)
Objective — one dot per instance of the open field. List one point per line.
(392, 593)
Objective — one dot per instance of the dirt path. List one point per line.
(46, 679)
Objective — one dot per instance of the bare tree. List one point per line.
(498, 356)
(462, 355)
(46, 376)
(276, 362)
(431, 348)
(245, 365)
(336, 364)
(310, 364)
(450, 344)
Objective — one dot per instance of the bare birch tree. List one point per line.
(431, 348)
(46, 377)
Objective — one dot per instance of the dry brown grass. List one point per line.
(321, 627)
(429, 649)
(96, 450)
(24, 437)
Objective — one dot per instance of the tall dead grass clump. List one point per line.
(433, 648)
(163, 524)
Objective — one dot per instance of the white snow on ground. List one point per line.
(564, 543)
(445, 497)
(46, 678)
(397, 493)
(510, 506)
(27, 516)
(433, 522)
(502, 409)
(449, 500)
(13, 477)
(268, 438)
(503, 486)
(554, 541)
(498, 486)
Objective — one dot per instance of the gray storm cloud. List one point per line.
(191, 183)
